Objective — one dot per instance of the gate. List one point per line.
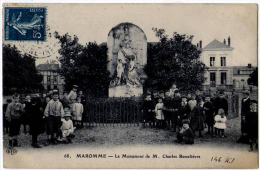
(113, 112)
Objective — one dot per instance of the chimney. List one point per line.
(200, 44)
(229, 41)
(224, 41)
(249, 65)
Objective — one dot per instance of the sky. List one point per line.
(92, 22)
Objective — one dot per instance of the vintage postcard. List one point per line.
(153, 86)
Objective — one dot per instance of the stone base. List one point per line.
(125, 91)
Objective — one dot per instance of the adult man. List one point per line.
(245, 108)
(167, 110)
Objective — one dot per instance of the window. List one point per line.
(212, 61)
(48, 79)
(55, 79)
(48, 88)
(223, 78)
(213, 79)
(223, 61)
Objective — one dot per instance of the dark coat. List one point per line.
(65, 101)
(197, 122)
(187, 136)
(146, 106)
(209, 112)
(183, 110)
(167, 109)
(27, 112)
(37, 124)
(252, 124)
(245, 108)
(221, 103)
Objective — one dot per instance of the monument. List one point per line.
(127, 54)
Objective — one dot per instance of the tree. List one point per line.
(174, 60)
(19, 72)
(253, 78)
(85, 66)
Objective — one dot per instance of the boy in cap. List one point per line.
(147, 108)
(183, 111)
(208, 109)
(53, 113)
(175, 105)
(221, 102)
(14, 112)
(185, 135)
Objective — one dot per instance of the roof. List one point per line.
(216, 45)
(44, 67)
(238, 68)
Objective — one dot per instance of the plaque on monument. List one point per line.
(127, 53)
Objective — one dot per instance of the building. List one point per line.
(240, 76)
(217, 56)
(51, 78)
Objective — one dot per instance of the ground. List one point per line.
(115, 141)
(119, 135)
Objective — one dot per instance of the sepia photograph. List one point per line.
(137, 85)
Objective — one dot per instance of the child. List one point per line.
(5, 121)
(37, 125)
(67, 128)
(185, 134)
(159, 112)
(147, 108)
(220, 122)
(197, 122)
(183, 110)
(53, 113)
(208, 108)
(13, 114)
(27, 112)
(251, 120)
(193, 102)
(77, 111)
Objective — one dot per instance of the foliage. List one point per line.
(85, 66)
(253, 78)
(19, 72)
(174, 60)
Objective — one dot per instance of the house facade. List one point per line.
(240, 76)
(218, 57)
(51, 78)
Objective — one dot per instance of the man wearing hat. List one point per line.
(221, 102)
(245, 108)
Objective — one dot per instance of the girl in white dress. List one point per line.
(159, 112)
(220, 122)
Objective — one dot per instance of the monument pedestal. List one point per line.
(125, 91)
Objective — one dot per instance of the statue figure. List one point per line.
(126, 59)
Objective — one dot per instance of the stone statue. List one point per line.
(127, 46)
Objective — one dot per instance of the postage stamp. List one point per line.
(25, 23)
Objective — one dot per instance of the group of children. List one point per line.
(186, 114)
(58, 118)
